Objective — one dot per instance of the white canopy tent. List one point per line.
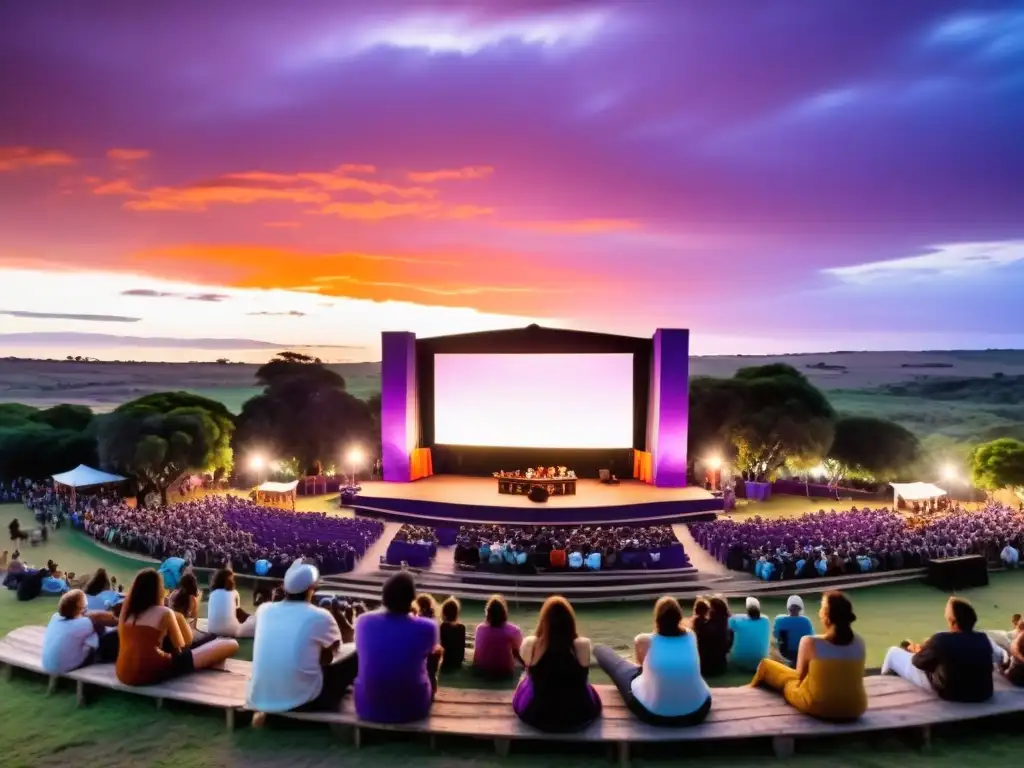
(277, 492)
(83, 477)
(915, 492)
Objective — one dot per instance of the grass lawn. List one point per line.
(49, 728)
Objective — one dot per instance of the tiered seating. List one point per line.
(413, 545)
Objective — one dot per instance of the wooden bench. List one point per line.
(736, 714)
(218, 689)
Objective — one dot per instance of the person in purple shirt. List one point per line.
(497, 642)
(393, 647)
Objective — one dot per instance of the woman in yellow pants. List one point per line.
(828, 681)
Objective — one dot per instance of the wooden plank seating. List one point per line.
(215, 688)
(736, 713)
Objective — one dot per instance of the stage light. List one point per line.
(949, 473)
(355, 455)
(256, 463)
(715, 462)
(818, 471)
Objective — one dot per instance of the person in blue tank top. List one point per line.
(791, 627)
(666, 687)
(751, 636)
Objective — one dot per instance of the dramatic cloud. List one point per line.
(149, 342)
(469, 173)
(955, 260)
(20, 158)
(62, 316)
(152, 294)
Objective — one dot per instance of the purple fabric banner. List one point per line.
(668, 426)
(399, 409)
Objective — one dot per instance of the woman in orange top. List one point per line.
(145, 622)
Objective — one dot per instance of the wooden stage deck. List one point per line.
(476, 499)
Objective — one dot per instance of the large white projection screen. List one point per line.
(534, 401)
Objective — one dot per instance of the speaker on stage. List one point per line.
(953, 573)
(538, 493)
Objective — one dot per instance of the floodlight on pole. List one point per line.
(715, 462)
(949, 473)
(355, 456)
(256, 463)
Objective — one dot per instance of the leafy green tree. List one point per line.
(160, 437)
(304, 412)
(39, 451)
(875, 448)
(76, 418)
(783, 416)
(998, 464)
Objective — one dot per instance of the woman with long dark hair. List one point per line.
(554, 693)
(225, 616)
(497, 641)
(100, 594)
(828, 682)
(145, 622)
(665, 686)
(710, 624)
(185, 599)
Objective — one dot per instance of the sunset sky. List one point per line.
(201, 179)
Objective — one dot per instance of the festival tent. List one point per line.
(277, 492)
(84, 477)
(915, 492)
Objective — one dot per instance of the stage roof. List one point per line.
(83, 476)
(269, 487)
(917, 491)
(533, 339)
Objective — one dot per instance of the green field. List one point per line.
(52, 728)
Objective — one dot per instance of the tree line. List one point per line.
(763, 420)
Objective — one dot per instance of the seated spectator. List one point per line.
(791, 627)
(710, 624)
(143, 625)
(99, 592)
(171, 571)
(5, 559)
(665, 687)
(185, 599)
(554, 693)
(751, 633)
(53, 582)
(453, 636)
(497, 642)
(394, 646)
(426, 607)
(1014, 668)
(957, 664)
(828, 681)
(225, 617)
(1010, 556)
(1004, 638)
(74, 637)
(298, 662)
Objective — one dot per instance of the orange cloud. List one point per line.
(123, 155)
(382, 209)
(577, 226)
(282, 224)
(480, 279)
(22, 157)
(467, 173)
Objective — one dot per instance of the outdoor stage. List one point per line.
(457, 499)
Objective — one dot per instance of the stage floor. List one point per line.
(483, 492)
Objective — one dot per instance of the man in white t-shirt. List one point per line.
(73, 636)
(295, 659)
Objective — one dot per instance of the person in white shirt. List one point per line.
(75, 637)
(297, 659)
(1010, 556)
(225, 617)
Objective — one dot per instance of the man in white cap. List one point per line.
(295, 660)
(791, 627)
(751, 637)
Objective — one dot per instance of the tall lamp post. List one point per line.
(256, 464)
(355, 457)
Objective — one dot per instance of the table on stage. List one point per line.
(556, 486)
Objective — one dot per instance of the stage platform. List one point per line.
(456, 499)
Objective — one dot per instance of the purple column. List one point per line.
(399, 404)
(668, 424)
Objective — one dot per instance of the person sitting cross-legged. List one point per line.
(957, 664)
(791, 627)
(143, 626)
(298, 662)
(666, 687)
(496, 642)
(1014, 668)
(828, 681)
(76, 637)
(225, 616)
(394, 647)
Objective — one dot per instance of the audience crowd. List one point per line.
(219, 530)
(860, 540)
(531, 547)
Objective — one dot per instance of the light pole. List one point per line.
(256, 463)
(355, 456)
(715, 462)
